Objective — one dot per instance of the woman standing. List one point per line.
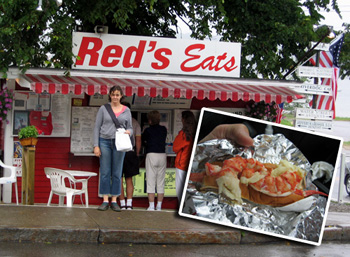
(131, 165)
(111, 160)
(182, 146)
(154, 138)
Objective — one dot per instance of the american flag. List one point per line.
(279, 111)
(329, 59)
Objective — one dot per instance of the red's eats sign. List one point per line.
(157, 55)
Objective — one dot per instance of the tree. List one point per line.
(273, 34)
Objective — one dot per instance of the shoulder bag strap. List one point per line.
(110, 111)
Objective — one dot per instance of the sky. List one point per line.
(342, 104)
(332, 18)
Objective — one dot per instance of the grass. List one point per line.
(342, 119)
(347, 143)
(287, 122)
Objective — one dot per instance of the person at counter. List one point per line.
(182, 146)
(111, 160)
(131, 165)
(154, 138)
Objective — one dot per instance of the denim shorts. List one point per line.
(111, 167)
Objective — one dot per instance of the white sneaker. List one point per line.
(150, 209)
(159, 209)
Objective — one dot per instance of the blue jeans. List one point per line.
(111, 167)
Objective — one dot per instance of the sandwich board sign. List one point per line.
(314, 89)
(318, 72)
(305, 113)
(314, 125)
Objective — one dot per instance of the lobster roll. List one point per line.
(263, 183)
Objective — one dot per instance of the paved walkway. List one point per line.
(87, 225)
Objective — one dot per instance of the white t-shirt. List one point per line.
(136, 130)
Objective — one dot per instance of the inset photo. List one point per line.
(260, 176)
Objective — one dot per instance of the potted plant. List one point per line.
(28, 135)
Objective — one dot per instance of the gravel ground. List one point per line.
(339, 207)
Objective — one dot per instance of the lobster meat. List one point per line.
(264, 183)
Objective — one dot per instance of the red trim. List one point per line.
(65, 89)
(38, 88)
(165, 88)
(165, 92)
(77, 90)
(103, 90)
(91, 90)
(52, 88)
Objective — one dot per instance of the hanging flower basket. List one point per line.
(29, 141)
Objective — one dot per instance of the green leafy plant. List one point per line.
(29, 131)
(6, 98)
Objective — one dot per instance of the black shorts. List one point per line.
(131, 166)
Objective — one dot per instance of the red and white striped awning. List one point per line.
(164, 86)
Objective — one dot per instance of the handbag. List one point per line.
(122, 140)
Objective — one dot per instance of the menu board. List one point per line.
(60, 109)
(83, 122)
(50, 113)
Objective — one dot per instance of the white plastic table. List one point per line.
(78, 173)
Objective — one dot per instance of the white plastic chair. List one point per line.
(11, 179)
(59, 186)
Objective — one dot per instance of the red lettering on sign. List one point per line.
(110, 52)
(220, 58)
(84, 50)
(208, 63)
(159, 55)
(153, 55)
(230, 65)
(211, 63)
(138, 52)
(194, 57)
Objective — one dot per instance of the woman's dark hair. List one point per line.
(154, 117)
(189, 124)
(115, 88)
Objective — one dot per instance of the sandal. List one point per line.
(129, 207)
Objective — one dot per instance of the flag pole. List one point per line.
(306, 54)
(314, 97)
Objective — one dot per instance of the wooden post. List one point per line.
(28, 172)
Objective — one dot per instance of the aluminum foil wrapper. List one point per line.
(322, 170)
(302, 219)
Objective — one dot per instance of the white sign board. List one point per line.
(308, 88)
(304, 113)
(319, 72)
(314, 125)
(110, 52)
(320, 46)
(170, 103)
(83, 122)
